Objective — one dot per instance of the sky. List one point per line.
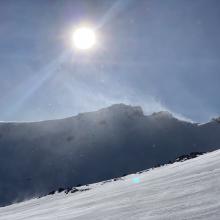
(161, 55)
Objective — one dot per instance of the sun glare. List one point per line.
(84, 38)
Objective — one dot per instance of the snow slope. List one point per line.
(183, 190)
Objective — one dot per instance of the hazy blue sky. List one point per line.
(162, 55)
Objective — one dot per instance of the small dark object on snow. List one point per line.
(188, 156)
(73, 190)
(60, 190)
(68, 190)
(86, 189)
(52, 192)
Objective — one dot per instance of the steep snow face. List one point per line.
(183, 190)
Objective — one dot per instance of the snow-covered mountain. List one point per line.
(38, 157)
(183, 190)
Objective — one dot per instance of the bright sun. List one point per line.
(84, 38)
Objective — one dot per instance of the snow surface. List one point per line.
(183, 190)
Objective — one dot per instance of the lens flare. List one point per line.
(136, 180)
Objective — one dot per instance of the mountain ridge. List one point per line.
(92, 147)
(120, 107)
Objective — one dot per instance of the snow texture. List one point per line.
(183, 190)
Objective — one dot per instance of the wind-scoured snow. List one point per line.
(183, 190)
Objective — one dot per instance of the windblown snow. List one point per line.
(183, 190)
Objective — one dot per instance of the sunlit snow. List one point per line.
(183, 190)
